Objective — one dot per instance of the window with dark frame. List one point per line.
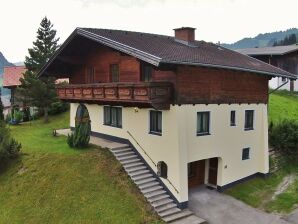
(203, 122)
(249, 120)
(114, 72)
(245, 153)
(146, 73)
(113, 116)
(155, 122)
(233, 118)
(90, 75)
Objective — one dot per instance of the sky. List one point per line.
(215, 20)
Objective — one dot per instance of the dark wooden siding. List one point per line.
(208, 85)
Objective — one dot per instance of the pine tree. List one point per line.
(35, 91)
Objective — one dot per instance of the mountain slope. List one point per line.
(262, 40)
(3, 62)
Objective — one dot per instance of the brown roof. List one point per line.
(276, 50)
(12, 75)
(159, 49)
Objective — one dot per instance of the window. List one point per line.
(233, 118)
(155, 122)
(114, 72)
(249, 120)
(113, 116)
(283, 79)
(90, 75)
(245, 153)
(146, 73)
(203, 120)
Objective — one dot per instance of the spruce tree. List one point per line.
(40, 91)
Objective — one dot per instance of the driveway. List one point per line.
(218, 208)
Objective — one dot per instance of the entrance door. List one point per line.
(196, 173)
(212, 176)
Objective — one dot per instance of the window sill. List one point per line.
(155, 133)
(248, 129)
(233, 125)
(112, 126)
(202, 134)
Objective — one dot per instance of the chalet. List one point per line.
(284, 57)
(11, 80)
(194, 112)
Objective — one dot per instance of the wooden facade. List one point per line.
(186, 84)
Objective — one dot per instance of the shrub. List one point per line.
(9, 147)
(283, 137)
(81, 136)
(58, 107)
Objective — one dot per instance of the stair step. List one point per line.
(154, 193)
(165, 207)
(192, 219)
(158, 197)
(133, 165)
(141, 176)
(139, 172)
(161, 202)
(127, 157)
(176, 216)
(123, 146)
(170, 211)
(150, 189)
(128, 161)
(116, 152)
(129, 153)
(132, 169)
(150, 184)
(143, 181)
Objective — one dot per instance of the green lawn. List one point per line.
(283, 105)
(258, 192)
(52, 183)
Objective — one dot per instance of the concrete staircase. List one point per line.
(153, 191)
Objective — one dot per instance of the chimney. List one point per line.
(185, 34)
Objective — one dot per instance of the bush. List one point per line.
(283, 137)
(9, 147)
(81, 136)
(58, 107)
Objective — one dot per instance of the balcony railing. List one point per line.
(144, 94)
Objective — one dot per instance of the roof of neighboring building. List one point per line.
(277, 50)
(160, 49)
(12, 75)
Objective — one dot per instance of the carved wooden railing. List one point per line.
(156, 94)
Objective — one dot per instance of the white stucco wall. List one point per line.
(180, 145)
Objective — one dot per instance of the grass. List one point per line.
(283, 105)
(258, 192)
(52, 183)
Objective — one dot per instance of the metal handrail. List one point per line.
(151, 160)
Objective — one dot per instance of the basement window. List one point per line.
(113, 116)
(245, 153)
(203, 123)
(155, 122)
(249, 120)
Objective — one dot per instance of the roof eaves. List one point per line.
(290, 76)
(152, 59)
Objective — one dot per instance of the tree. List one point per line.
(1, 109)
(40, 91)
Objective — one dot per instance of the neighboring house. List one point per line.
(284, 57)
(11, 80)
(194, 109)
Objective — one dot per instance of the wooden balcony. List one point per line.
(158, 95)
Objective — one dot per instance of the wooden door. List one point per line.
(213, 167)
(196, 173)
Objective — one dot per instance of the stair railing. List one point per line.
(151, 160)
